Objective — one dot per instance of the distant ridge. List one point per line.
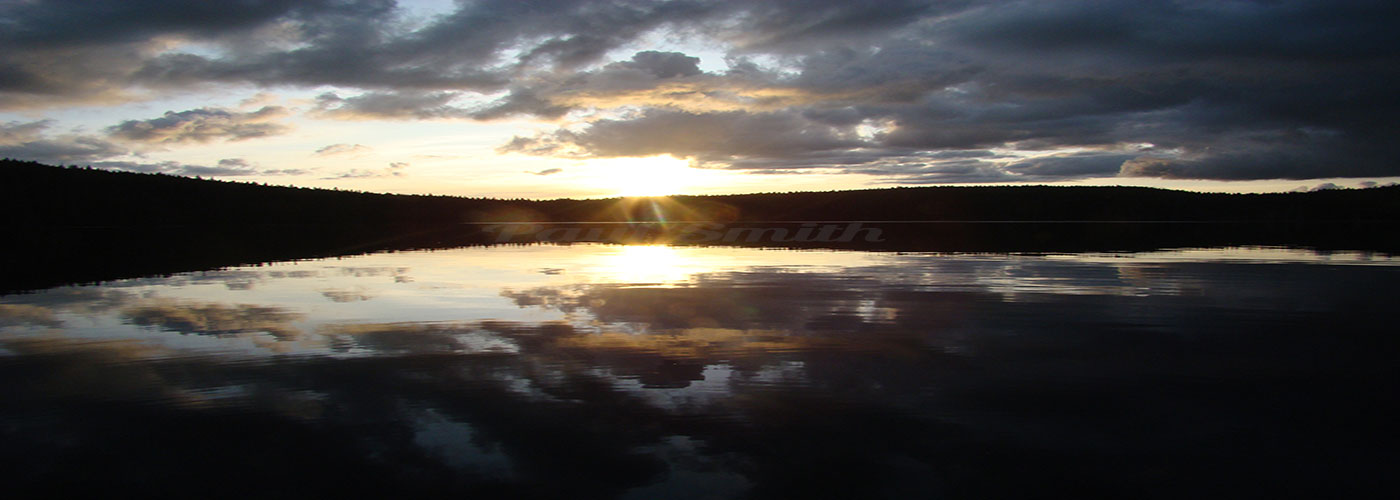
(81, 225)
(38, 195)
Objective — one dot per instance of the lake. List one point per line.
(647, 371)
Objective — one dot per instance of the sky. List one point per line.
(579, 98)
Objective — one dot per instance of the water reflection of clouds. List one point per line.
(710, 303)
(414, 338)
(26, 314)
(247, 278)
(776, 375)
(356, 294)
(213, 319)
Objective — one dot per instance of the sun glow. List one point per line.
(652, 176)
(645, 264)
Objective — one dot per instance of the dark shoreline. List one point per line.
(51, 257)
(83, 225)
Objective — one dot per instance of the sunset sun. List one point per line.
(653, 176)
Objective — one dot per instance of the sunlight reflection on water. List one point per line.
(696, 371)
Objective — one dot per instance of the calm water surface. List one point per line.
(689, 372)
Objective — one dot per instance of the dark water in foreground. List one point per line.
(692, 372)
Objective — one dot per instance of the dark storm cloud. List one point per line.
(73, 23)
(463, 50)
(480, 46)
(1184, 89)
(648, 78)
(1071, 165)
(664, 64)
(65, 51)
(202, 125)
(708, 137)
(940, 172)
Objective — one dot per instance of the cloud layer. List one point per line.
(908, 91)
(202, 125)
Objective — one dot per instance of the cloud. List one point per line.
(227, 167)
(663, 64)
(27, 140)
(706, 137)
(650, 79)
(349, 150)
(395, 169)
(1093, 164)
(75, 52)
(1326, 186)
(1182, 89)
(547, 171)
(257, 100)
(202, 125)
(1247, 92)
(389, 106)
(12, 133)
(67, 149)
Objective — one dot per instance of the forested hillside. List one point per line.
(41, 195)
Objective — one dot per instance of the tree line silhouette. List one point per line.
(42, 195)
(83, 224)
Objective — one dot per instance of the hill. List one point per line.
(37, 195)
(71, 225)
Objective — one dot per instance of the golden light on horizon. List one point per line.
(652, 176)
